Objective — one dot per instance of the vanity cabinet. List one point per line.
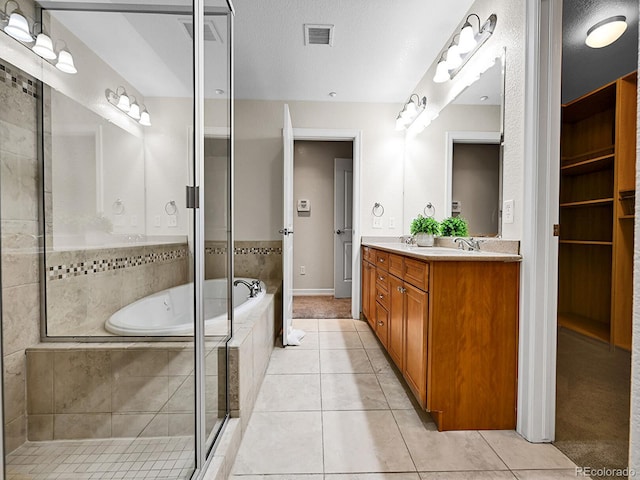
(451, 328)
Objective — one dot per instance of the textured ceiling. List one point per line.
(380, 52)
(584, 69)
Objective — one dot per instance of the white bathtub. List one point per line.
(170, 312)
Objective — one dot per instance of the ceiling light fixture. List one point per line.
(410, 111)
(16, 25)
(332, 94)
(606, 32)
(458, 54)
(128, 105)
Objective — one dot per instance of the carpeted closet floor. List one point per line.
(321, 307)
(593, 397)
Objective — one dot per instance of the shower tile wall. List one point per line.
(256, 259)
(19, 230)
(85, 287)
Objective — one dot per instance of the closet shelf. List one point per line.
(590, 155)
(588, 203)
(588, 166)
(586, 242)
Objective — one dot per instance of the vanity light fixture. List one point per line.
(607, 31)
(128, 104)
(458, 54)
(17, 26)
(410, 111)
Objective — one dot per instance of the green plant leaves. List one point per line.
(422, 224)
(454, 227)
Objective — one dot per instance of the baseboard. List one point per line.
(313, 292)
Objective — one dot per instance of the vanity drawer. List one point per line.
(382, 296)
(396, 265)
(381, 259)
(416, 273)
(382, 279)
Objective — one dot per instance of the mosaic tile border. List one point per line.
(18, 79)
(244, 250)
(59, 272)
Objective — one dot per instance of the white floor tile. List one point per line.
(519, 454)
(352, 392)
(478, 475)
(306, 324)
(287, 393)
(444, 451)
(344, 361)
(335, 340)
(292, 360)
(397, 394)
(363, 441)
(281, 443)
(336, 325)
(563, 474)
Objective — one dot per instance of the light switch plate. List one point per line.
(507, 211)
(392, 222)
(377, 222)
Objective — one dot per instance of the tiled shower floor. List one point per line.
(116, 458)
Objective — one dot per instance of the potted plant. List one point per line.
(454, 227)
(424, 229)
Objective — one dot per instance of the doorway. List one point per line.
(321, 255)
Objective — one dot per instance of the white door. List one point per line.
(287, 230)
(343, 227)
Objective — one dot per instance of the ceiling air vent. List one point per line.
(210, 32)
(318, 34)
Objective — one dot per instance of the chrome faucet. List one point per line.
(254, 287)
(406, 239)
(472, 245)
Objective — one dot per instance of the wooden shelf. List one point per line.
(588, 156)
(588, 166)
(585, 326)
(588, 203)
(627, 217)
(586, 242)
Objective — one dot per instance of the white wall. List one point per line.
(313, 172)
(258, 160)
(509, 33)
(426, 169)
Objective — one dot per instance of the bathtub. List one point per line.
(169, 312)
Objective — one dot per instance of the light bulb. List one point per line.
(145, 118)
(44, 47)
(467, 39)
(123, 102)
(453, 57)
(134, 111)
(65, 62)
(606, 32)
(18, 27)
(442, 72)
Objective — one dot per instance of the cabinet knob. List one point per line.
(380, 278)
(380, 323)
(381, 260)
(399, 289)
(380, 295)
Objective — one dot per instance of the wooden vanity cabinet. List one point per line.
(451, 328)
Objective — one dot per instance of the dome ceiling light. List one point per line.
(607, 31)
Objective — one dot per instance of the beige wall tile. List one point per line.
(14, 386)
(181, 424)
(138, 424)
(82, 381)
(140, 394)
(40, 427)
(84, 425)
(20, 318)
(139, 363)
(181, 394)
(40, 382)
(19, 268)
(15, 434)
(181, 362)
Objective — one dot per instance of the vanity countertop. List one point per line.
(442, 253)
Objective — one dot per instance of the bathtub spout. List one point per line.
(254, 287)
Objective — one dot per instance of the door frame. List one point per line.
(336, 204)
(490, 138)
(355, 136)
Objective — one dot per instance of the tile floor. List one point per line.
(117, 458)
(335, 408)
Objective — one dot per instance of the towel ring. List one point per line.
(171, 208)
(429, 208)
(118, 207)
(377, 210)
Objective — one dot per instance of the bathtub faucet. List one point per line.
(254, 287)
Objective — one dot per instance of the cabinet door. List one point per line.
(396, 321)
(416, 323)
(366, 291)
(382, 323)
(372, 294)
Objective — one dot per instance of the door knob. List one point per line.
(339, 232)
(285, 231)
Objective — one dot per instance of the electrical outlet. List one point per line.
(392, 222)
(157, 221)
(507, 211)
(377, 222)
(303, 270)
(172, 221)
(118, 220)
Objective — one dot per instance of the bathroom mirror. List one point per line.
(455, 164)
